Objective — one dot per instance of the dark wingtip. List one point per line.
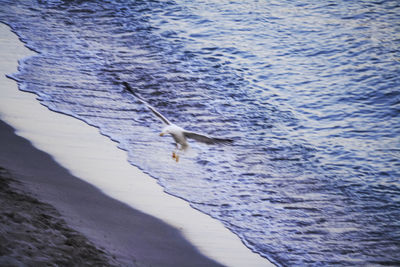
(226, 141)
(229, 141)
(128, 87)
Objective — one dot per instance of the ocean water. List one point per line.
(309, 91)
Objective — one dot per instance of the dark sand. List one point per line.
(49, 217)
(33, 233)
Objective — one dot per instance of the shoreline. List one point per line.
(127, 235)
(95, 162)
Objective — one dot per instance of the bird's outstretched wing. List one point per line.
(206, 139)
(158, 114)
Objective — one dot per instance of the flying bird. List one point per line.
(179, 134)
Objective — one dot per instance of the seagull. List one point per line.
(179, 134)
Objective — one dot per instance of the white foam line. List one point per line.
(97, 160)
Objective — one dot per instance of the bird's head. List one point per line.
(164, 132)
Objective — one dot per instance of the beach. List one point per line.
(75, 175)
(33, 233)
(114, 233)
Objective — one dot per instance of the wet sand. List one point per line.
(33, 233)
(43, 210)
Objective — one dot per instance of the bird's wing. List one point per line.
(206, 139)
(158, 114)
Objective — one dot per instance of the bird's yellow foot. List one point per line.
(174, 155)
(176, 158)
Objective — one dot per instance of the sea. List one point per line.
(308, 90)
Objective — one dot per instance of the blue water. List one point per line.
(309, 91)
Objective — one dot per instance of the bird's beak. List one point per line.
(161, 134)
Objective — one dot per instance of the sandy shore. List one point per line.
(33, 233)
(122, 212)
(115, 231)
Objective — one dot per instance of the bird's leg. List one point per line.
(175, 153)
